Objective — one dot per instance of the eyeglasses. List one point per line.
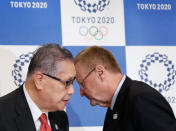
(67, 83)
(81, 84)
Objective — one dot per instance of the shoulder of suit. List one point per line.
(139, 88)
(8, 100)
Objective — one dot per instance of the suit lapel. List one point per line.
(121, 96)
(54, 127)
(24, 120)
(112, 116)
(54, 122)
(108, 120)
(58, 121)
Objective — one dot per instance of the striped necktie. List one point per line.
(44, 123)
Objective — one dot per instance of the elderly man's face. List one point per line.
(56, 93)
(90, 85)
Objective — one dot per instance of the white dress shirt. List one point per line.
(117, 92)
(35, 111)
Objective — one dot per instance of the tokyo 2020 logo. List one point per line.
(92, 6)
(93, 32)
(161, 59)
(18, 67)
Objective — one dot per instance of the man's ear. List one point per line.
(100, 71)
(38, 80)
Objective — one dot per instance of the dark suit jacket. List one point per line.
(15, 114)
(139, 107)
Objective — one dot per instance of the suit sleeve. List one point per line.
(151, 112)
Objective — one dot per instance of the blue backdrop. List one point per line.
(147, 23)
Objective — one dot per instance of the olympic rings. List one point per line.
(94, 31)
(83, 30)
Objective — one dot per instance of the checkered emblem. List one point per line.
(18, 67)
(92, 7)
(161, 59)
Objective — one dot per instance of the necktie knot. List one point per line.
(44, 123)
(43, 118)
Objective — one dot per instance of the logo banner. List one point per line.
(155, 66)
(87, 22)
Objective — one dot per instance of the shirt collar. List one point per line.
(36, 112)
(117, 92)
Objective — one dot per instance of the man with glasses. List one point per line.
(132, 105)
(38, 105)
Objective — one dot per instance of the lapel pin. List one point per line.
(56, 126)
(115, 116)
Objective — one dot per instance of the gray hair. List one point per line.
(46, 57)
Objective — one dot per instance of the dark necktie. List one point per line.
(44, 123)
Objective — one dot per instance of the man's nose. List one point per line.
(71, 90)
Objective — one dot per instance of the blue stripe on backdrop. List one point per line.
(79, 111)
(30, 26)
(150, 22)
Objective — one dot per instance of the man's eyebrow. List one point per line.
(72, 77)
(78, 79)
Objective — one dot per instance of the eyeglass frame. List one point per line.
(67, 83)
(81, 84)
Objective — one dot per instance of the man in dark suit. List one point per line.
(132, 105)
(38, 105)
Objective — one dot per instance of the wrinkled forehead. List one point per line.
(80, 71)
(66, 67)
